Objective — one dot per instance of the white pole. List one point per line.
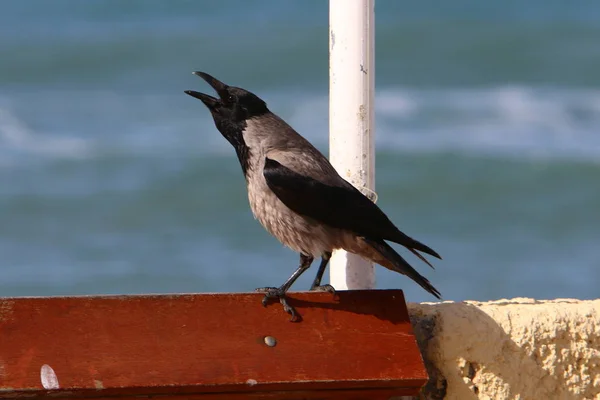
(351, 119)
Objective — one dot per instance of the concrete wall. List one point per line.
(510, 349)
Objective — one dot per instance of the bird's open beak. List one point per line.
(219, 87)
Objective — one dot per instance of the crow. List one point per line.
(298, 196)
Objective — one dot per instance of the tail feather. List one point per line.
(421, 257)
(413, 244)
(401, 265)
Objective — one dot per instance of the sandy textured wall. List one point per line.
(510, 349)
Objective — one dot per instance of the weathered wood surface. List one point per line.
(356, 344)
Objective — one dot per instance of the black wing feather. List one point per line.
(338, 206)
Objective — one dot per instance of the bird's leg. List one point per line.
(280, 292)
(316, 285)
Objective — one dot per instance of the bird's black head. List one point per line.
(231, 111)
(234, 105)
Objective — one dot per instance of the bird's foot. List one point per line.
(278, 293)
(323, 288)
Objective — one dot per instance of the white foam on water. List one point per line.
(509, 121)
(16, 138)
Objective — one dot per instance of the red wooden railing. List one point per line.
(354, 345)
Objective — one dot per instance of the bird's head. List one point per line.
(230, 112)
(233, 106)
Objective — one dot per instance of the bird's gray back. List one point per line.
(270, 136)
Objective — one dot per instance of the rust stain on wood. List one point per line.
(212, 346)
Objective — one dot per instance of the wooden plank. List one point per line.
(209, 346)
(350, 394)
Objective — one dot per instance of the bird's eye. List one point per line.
(231, 98)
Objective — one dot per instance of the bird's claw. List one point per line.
(278, 293)
(323, 288)
(270, 293)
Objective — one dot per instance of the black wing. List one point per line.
(338, 206)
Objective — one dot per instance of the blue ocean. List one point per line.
(112, 180)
